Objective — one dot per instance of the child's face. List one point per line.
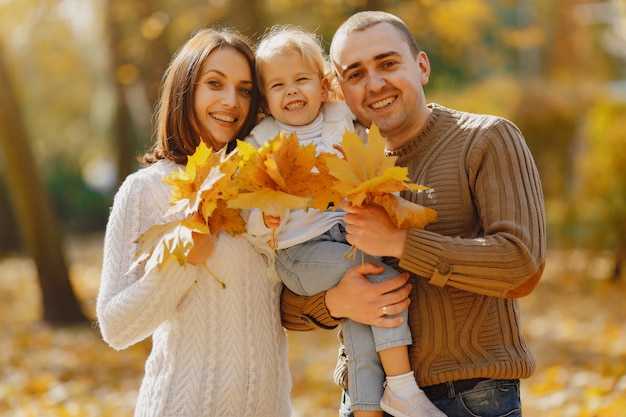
(293, 91)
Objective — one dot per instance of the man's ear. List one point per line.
(424, 65)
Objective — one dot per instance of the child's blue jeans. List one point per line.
(319, 264)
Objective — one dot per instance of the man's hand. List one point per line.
(358, 299)
(370, 229)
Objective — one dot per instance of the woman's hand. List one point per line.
(203, 245)
(370, 229)
(358, 299)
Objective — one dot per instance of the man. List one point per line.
(468, 269)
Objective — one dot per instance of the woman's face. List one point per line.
(223, 95)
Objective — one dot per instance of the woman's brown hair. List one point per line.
(178, 130)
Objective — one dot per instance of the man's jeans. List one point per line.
(489, 398)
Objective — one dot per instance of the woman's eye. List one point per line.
(245, 91)
(213, 83)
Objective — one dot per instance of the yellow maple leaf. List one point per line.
(162, 242)
(200, 192)
(205, 180)
(367, 176)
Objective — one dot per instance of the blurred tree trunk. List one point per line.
(156, 56)
(244, 16)
(9, 239)
(122, 123)
(33, 211)
(134, 96)
(373, 5)
(620, 259)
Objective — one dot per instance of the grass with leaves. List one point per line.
(574, 323)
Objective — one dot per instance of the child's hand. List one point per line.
(271, 222)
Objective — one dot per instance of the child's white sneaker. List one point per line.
(417, 405)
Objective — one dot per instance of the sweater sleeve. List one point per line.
(506, 254)
(132, 304)
(304, 313)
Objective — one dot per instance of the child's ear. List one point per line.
(264, 107)
(325, 88)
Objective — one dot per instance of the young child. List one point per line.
(292, 71)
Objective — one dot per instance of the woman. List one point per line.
(216, 352)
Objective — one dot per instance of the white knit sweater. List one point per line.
(216, 352)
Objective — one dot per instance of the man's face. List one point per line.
(382, 81)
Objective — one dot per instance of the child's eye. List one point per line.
(276, 85)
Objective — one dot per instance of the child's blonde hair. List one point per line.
(280, 39)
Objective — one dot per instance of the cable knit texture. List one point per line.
(486, 249)
(216, 352)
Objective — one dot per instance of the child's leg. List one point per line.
(402, 396)
(313, 266)
(367, 413)
(395, 360)
(365, 372)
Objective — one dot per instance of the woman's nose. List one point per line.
(230, 97)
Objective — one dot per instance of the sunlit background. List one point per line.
(78, 84)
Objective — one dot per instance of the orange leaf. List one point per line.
(282, 175)
(202, 249)
(405, 214)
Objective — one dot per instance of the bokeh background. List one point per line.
(78, 84)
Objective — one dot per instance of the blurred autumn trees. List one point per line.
(85, 76)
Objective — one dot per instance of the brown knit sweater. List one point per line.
(467, 269)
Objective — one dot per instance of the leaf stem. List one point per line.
(214, 277)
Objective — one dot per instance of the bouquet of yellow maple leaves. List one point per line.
(200, 192)
(281, 175)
